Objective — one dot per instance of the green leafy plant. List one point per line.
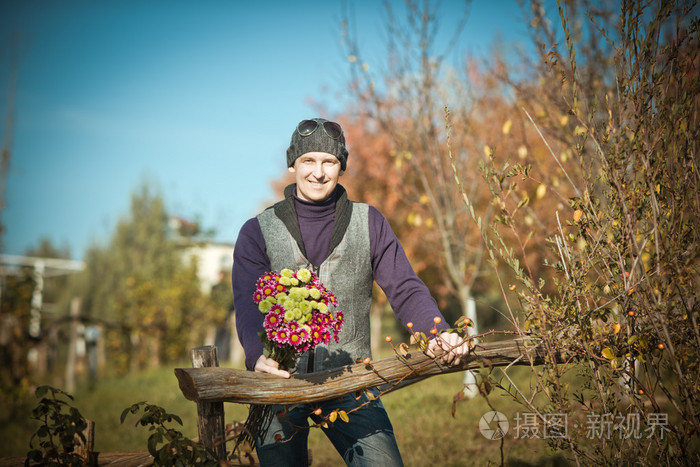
(167, 445)
(62, 425)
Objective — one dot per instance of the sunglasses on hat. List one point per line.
(307, 127)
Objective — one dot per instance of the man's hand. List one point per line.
(456, 348)
(268, 365)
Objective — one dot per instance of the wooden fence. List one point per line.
(210, 386)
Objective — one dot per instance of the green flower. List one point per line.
(285, 281)
(315, 293)
(296, 295)
(304, 275)
(289, 316)
(323, 308)
(305, 307)
(280, 297)
(298, 313)
(286, 273)
(264, 306)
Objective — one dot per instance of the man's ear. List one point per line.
(341, 172)
(291, 169)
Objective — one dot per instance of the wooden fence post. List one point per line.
(210, 422)
(86, 448)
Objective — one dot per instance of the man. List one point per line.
(349, 245)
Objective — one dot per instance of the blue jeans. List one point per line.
(367, 440)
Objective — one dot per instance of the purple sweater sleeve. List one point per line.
(409, 297)
(250, 261)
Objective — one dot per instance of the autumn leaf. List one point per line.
(607, 353)
(460, 396)
(485, 387)
(507, 125)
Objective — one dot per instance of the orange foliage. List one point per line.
(490, 130)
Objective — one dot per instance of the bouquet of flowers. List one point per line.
(299, 314)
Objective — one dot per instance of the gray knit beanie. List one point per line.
(317, 141)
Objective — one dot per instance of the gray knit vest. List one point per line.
(347, 273)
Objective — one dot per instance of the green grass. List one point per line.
(425, 430)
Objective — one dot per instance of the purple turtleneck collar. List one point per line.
(316, 225)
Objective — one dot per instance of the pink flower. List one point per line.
(339, 320)
(316, 334)
(298, 338)
(321, 334)
(304, 333)
(282, 336)
(273, 319)
(321, 319)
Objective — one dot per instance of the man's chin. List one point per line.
(315, 195)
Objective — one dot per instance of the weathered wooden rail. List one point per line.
(210, 386)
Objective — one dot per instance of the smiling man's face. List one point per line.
(316, 175)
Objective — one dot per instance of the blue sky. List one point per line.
(198, 99)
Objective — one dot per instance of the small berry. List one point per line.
(366, 361)
(661, 346)
(437, 320)
(387, 338)
(433, 331)
(317, 411)
(641, 392)
(467, 321)
(511, 287)
(631, 313)
(409, 325)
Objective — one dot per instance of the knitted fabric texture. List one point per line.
(318, 141)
